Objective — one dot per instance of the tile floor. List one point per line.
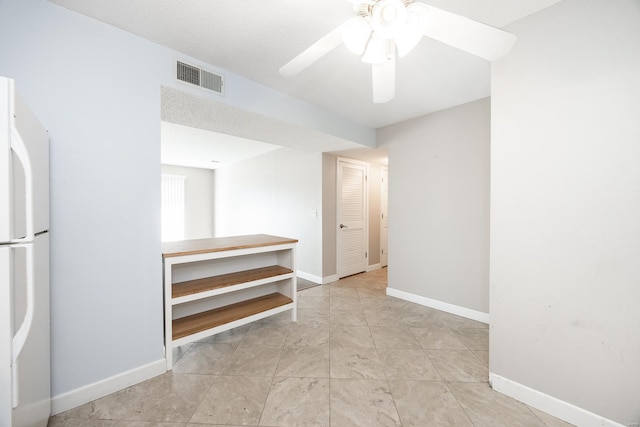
(356, 357)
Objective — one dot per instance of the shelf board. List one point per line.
(219, 316)
(221, 244)
(225, 280)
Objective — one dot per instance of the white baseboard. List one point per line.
(439, 305)
(85, 394)
(317, 279)
(330, 279)
(373, 267)
(551, 405)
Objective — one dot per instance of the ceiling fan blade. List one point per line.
(313, 53)
(463, 33)
(384, 80)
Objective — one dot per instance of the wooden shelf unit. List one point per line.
(212, 285)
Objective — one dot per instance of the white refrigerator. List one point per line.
(25, 384)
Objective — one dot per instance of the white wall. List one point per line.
(565, 210)
(374, 181)
(274, 193)
(198, 200)
(329, 224)
(439, 205)
(97, 90)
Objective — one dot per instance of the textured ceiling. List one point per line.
(254, 38)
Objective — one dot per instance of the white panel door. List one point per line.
(384, 221)
(352, 217)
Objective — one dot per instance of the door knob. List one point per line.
(343, 226)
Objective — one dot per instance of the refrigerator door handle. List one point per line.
(20, 338)
(20, 148)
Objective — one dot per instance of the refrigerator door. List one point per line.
(6, 335)
(6, 185)
(24, 169)
(25, 326)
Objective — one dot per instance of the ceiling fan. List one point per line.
(383, 28)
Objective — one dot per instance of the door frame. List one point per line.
(382, 200)
(338, 207)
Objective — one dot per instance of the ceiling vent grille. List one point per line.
(198, 77)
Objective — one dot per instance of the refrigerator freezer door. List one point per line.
(36, 141)
(24, 169)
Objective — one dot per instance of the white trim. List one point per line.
(317, 279)
(80, 396)
(381, 210)
(373, 267)
(440, 305)
(551, 405)
(330, 279)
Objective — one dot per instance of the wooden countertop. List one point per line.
(219, 244)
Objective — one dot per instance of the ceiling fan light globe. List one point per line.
(355, 34)
(388, 17)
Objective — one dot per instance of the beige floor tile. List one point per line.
(387, 303)
(407, 364)
(482, 355)
(253, 361)
(415, 317)
(58, 421)
(317, 291)
(383, 317)
(426, 404)
(474, 339)
(343, 292)
(267, 334)
(458, 365)
(178, 352)
(456, 322)
(297, 402)
(308, 335)
(393, 337)
(356, 363)
(217, 425)
(234, 400)
(282, 318)
(348, 317)
(372, 292)
(549, 420)
(351, 336)
(167, 398)
(313, 315)
(205, 358)
(438, 337)
(313, 302)
(232, 336)
(363, 403)
(344, 303)
(304, 362)
(147, 424)
(488, 408)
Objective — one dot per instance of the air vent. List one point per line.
(198, 77)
